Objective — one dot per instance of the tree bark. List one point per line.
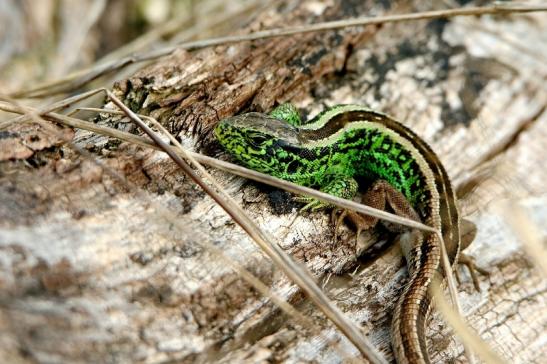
(90, 272)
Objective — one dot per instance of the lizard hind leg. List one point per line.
(468, 233)
(360, 222)
(373, 198)
(380, 195)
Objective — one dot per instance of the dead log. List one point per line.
(90, 273)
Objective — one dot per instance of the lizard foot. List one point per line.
(380, 195)
(469, 262)
(360, 222)
(468, 233)
(312, 204)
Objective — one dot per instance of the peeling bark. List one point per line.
(89, 272)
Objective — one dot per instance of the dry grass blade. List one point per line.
(80, 78)
(474, 63)
(166, 215)
(55, 106)
(288, 186)
(230, 167)
(469, 338)
(295, 272)
(284, 305)
(260, 177)
(449, 277)
(102, 66)
(527, 234)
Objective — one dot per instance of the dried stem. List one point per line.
(80, 78)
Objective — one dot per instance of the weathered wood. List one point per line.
(90, 272)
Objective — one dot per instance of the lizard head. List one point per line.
(256, 140)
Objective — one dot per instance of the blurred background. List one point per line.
(89, 272)
(44, 40)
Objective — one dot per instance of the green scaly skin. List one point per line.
(282, 146)
(331, 152)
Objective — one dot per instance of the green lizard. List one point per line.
(335, 149)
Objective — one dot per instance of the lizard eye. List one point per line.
(257, 139)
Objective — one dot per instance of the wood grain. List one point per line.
(89, 273)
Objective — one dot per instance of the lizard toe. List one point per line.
(473, 268)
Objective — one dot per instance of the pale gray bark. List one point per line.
(90, 273)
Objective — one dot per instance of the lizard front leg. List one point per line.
(334, 184)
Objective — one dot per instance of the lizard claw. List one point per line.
(311, 203)
(469, 262)
(337, 220)
(360, 222)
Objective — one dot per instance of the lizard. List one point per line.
(349, 142)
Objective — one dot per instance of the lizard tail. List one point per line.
(409, 318)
